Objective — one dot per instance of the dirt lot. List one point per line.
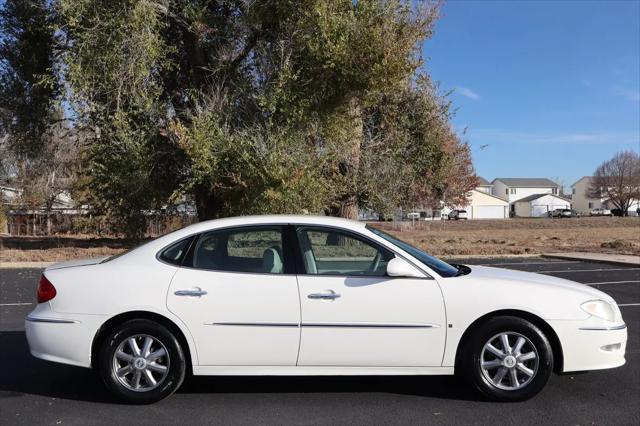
(522, 236)
(441, 238)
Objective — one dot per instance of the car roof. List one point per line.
(271, 220)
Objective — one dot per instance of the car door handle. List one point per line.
(327, 295)
(196, 291)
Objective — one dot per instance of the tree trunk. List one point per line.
(349, 202)
(205, 202)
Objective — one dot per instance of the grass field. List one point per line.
(440, 238)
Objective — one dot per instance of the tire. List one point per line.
(168, 370)
(487, 380)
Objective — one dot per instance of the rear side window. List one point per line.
(251, 250)
(176, 252)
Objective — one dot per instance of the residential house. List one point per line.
(514, 189)
(484, 186)
(482, 204)
(584, 204)
(539, 205)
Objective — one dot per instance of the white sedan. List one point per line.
(304, 295)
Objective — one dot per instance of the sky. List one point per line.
(543, 88)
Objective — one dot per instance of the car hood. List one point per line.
(486, 273)
(77, 262)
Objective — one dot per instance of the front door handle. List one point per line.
(327, 295)
(196, 291)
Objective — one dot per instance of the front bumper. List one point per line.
(589, 346)
(60, 338)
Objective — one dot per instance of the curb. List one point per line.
(594, 259)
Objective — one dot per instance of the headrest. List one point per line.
(272, 261)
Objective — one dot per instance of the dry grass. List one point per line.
(522, 236)
(441, 238)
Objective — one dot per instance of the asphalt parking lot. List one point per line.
(38, 392)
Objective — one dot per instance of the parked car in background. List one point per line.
(308, 296)
(600, 212)
(561, 213)
(617, 212)
(457, 215)
(575, 213)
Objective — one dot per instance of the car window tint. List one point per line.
(256, 250)
(329, 252)
(175, 253)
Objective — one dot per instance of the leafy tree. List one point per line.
(258, 107)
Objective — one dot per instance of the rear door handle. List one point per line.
(327, 295)
(196, 291)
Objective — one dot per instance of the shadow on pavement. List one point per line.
(24, 374)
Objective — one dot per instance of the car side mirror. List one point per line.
(398, 267)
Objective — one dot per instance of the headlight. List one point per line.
(602, 309)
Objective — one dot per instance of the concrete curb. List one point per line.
(613, 259)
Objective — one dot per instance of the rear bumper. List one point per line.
(591, 347)
(61, 338)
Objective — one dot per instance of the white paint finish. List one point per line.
(581, 349)
(137, 281)
(239, 298)
(383, 301)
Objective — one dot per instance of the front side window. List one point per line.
(333, 252)
(253, 250)
(442, 268)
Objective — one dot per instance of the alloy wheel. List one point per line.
(509, 361)
(141, 363)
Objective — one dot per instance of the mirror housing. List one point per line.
(398, 267)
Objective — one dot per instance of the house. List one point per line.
(514, 189)
(539, 205)
(482, 204)
(484, 186)
(584, 204)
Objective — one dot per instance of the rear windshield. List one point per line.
(442, 268)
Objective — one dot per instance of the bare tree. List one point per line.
(618, 180)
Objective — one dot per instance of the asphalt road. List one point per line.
(37, 392)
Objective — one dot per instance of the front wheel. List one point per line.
(508, 359)
(141, 362)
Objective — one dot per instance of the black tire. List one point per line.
(175, 364)
(472, 351)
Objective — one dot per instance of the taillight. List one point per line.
(46, 291)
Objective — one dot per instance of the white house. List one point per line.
(539, 205)
(482, 205)
(584, 204)
(484, 186)
(514, 189)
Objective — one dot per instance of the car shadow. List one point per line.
(29, 375)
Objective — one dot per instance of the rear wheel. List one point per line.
(508, 359)
(141, 362)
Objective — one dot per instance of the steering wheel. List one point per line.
(376, 262)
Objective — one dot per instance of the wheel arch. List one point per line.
(121, 318)
(549, 332)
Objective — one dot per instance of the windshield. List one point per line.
(442, 268)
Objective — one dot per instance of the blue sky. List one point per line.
(551, 88)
